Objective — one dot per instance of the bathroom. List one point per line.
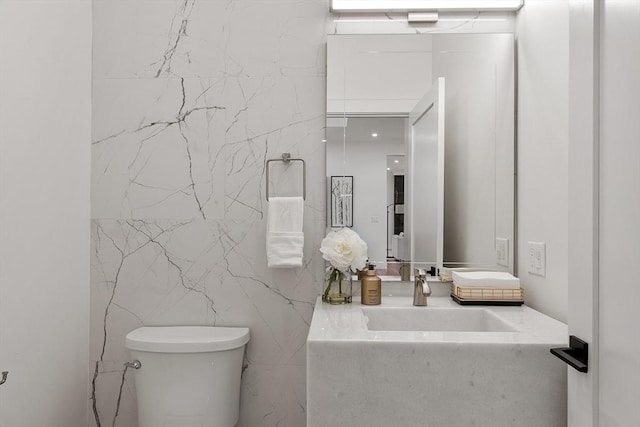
(133, 141)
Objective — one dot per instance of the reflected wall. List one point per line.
(379, 76)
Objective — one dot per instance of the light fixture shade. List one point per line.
(422, 16)
(422, 5)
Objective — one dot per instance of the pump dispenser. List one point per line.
(362, 272)
(371, 287)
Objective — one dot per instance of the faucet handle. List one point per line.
(421, 289)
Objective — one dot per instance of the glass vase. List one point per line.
(337, 287)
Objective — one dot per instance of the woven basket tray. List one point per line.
(487, 294)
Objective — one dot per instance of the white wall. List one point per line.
(45, 118)
(542, 32)
(619, 214)
(479, 145)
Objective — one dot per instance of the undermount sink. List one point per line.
(434, 319)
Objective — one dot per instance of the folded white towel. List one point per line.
(285, 239)
(445, 272)
(284, 249)
(496, 279)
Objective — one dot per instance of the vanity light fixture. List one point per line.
(359, 19)
(375, 135)
(422, 17)
(423, 5)
(324, 140)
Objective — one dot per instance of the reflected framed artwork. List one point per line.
(342, 201)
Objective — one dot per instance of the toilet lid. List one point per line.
(186, 339)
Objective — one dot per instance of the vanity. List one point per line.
(427, 121)
(443, 365)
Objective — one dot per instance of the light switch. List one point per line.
(537, 258)
(502, 252)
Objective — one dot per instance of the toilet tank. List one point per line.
(189, 375)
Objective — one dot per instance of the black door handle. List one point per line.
(576, 355)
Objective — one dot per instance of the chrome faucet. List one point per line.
(421, 289)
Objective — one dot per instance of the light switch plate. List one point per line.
(502, 252)
(537, 259)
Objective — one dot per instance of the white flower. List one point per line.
(344, 249)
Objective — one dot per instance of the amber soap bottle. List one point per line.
(370, 287)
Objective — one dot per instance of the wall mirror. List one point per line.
(374, 83)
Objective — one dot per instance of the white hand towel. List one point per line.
(498, 279)
(285, 239)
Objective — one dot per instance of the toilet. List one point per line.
(188, 376)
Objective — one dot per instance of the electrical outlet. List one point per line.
(502, 252)
(537, 258)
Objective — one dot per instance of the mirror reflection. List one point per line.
(373, 84)
(374, 159)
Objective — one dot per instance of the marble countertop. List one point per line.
(349, 323)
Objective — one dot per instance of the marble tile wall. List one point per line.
(190, 97)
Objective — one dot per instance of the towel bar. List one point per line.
(286, 158)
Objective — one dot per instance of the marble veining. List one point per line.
(177, 32)
(190, 98)
(138, 155)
